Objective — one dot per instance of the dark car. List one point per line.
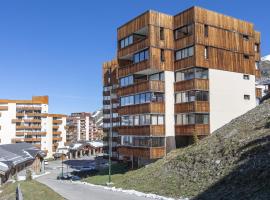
(75, 178)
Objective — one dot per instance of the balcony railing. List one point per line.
(155, 86)
(192, 129)
(148, 153)
(196, 106)
(147, 130)
(153, 107)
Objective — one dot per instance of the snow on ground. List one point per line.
(131, 192)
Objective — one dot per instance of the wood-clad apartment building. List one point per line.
(29, 121)
(178, 78)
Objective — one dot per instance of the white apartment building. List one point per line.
(29, 121)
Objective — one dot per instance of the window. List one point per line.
(256, 65)
(190, 96)
(126, 41)
(157, 77)
(245, 37)
(184, 53)
(161, 33)
(192, 118)
(141, 120)
(246, 77)
(206, 53)
(206, 30)
(257, 47)
(125, 81)
(140, 56)
(183, 31)
(191, 73)
(162, 56)
(246, 56)
(142, 141)
(141, 98)
(247, 97)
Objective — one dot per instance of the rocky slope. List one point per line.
(232, 163)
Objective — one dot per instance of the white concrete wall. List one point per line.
(226, 92)
(169, 103)
(63, 132)
(8, 129)
(87, 128)
(46, 142)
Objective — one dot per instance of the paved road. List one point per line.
(73, 191)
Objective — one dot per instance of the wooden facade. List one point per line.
(219, 42)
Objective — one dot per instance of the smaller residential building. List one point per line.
(18, 157)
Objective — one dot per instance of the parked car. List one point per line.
(75, 178)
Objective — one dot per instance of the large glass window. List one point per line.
(191, 118)
(191, 73)
(140, 56)
(126, 41)
(157, 77)
(125, 81)
(184, 53)
(141, 120)
(141, 98)
(142, 141)
(190, 96)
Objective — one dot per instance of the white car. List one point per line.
(46, 162)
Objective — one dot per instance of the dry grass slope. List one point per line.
(232, 163)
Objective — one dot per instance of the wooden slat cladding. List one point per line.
(189, 130)
(196, 106)
(148, 130)
(154, 63)
(258, 92)
(184, 42)
(157, 64)
(148, 153)
(131, 69)
(156, 86)
(154, 107)
(184, 63)
(224, 60)
(2, 108)
(184, 18)
(135, 47)
(222, 21)
(258, 73)
(133, 25)
(224, 39)
(113, 67)
(161, 19)
(155, 40)
(196, 84)
(257, 57)
(257, 37)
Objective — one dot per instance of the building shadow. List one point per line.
(250, 180)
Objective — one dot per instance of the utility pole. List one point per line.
(62, 163)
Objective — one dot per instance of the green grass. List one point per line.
(32, 190)
(101, 178)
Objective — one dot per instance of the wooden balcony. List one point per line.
(31, 133)
(27, 127)
(57, 132)
(147, 130)
(190, 130)
(196, 106)
(145, 86)
(28, 108)
(148, 153)
(37, 145)
(26, 120)
(31, 114)
(153, 107)
(3, 108)
(131, 49)
(16, 140)
(133, 68)
(55, 127)
(257, 73)
(193, 84)
(57, 121)
(57, 138)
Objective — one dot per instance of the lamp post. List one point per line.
(62, 163)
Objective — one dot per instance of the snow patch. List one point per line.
(265, 58)
(131, 192)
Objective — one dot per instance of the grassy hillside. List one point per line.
(232, 163)
(31, 190)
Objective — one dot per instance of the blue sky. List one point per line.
(57, 47)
